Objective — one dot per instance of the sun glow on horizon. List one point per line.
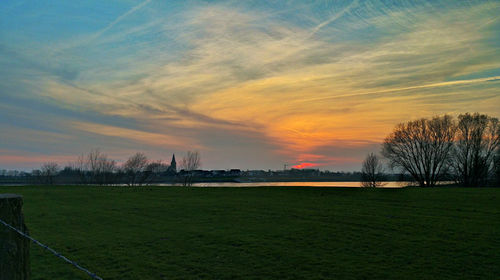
(305, 165)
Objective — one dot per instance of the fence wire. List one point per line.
(91, 274)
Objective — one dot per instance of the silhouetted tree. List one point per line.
(478, 139)
(49, 171)
(190, 162)
(135, 169)
(372, 172)
(497, 168)
(106, 172)
(95, 168)
(154, 170)
(422, 148)
(81, 167)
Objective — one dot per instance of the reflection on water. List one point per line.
(294, 184)
(392, 184)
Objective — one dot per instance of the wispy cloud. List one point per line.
(433, 85)
(334, 17)
(120, 18)
(17, 159)
(155, 139)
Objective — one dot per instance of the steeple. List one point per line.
(173, 164)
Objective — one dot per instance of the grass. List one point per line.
(271, 233)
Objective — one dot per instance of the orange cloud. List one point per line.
(155, 139)
(9, 158)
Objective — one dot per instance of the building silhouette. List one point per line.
(173, 165)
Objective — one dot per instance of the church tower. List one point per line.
(173, 165)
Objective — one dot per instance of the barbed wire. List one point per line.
(91, 274)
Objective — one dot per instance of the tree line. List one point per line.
(96, 168)
(465, 150)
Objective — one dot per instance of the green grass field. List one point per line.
(264, 233)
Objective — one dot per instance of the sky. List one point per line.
(248, 84)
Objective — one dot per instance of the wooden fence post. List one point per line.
(14, 248)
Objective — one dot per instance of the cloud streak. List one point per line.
(433, 85)
(120, 18)
(333, 18)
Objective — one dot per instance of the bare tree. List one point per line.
(422, 148)
(81, 167)
(36, 176)
(154, 170)
(372, 172)
(478, 139)
(48, 171)
(106, 171)
(135, 169)
(497, 167)
(190, 162)
(95, 168)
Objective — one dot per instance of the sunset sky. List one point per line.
(249, 84)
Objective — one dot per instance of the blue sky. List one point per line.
(250, 84)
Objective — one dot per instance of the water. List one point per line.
(351, 184)
(294, 184)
